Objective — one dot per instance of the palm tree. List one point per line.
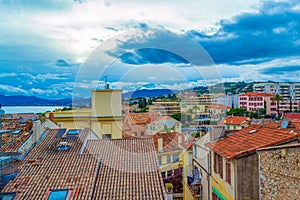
(277, 98)
(196, 108)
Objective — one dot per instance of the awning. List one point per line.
(219, 194)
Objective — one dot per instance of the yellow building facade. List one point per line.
(104, 117)
(219, 186)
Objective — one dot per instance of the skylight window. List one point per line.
(58, 194)
(8, 195)
(62, 146)
(252, 131)
(72, 134)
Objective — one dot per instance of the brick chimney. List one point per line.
(51, 116)
(28, 125)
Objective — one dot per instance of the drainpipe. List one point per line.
(208, 175)
(259, 175)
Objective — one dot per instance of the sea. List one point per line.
(29, 109)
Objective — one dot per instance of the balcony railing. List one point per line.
(196, 190)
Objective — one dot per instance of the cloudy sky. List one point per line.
(64, 48)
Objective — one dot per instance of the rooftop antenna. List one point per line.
(106, 83)
(1, 116)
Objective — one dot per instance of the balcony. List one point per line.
(196, 190)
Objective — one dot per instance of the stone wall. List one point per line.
(280, 173)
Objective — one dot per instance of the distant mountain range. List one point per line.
(147, 93)
(20, 100)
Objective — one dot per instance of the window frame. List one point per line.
(169, 159)
(228, 172)
(175, 160)
(218, 164)
(67, 197)
(159, 159)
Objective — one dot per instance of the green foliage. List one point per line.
(142, 103)
(237, 112)
(66, 108)
(196, 134)
(177, 116)
(277, 98)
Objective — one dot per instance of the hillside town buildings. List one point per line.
(104, 153)
(289, 91)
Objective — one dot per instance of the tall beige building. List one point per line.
(104, 117)
(107, 113)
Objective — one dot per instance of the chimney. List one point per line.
(262, 122)
(28, 125)
(37, 130)
(160, 144)
(51, 116)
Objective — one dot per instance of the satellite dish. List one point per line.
(284, 124)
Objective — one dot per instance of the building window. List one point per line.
(159, 160)
(142, 133)
(175, 158)
(168, 158)
(106, 136)
(228, 173)
(163, 174)
(58, 194)
(169, 173)
(134, 134)
(218, 164)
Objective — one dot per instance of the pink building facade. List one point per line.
(253, 101)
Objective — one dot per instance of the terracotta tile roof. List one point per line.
(47, 168)
(108, 169)
(170, 141)
(126, 126)
(11, 142)
(234, 120)
(218, 106)
(188, 144)
(129, 169)
(256, 94)
(140, 118)
(296, 123)
(243, 142)
(292, 115)
(292, 145)
(20, 115)
(161, 118)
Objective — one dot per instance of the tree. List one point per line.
(196, 108)
(237, 112)
(277, 98)
(142, 103)
(177, 116)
